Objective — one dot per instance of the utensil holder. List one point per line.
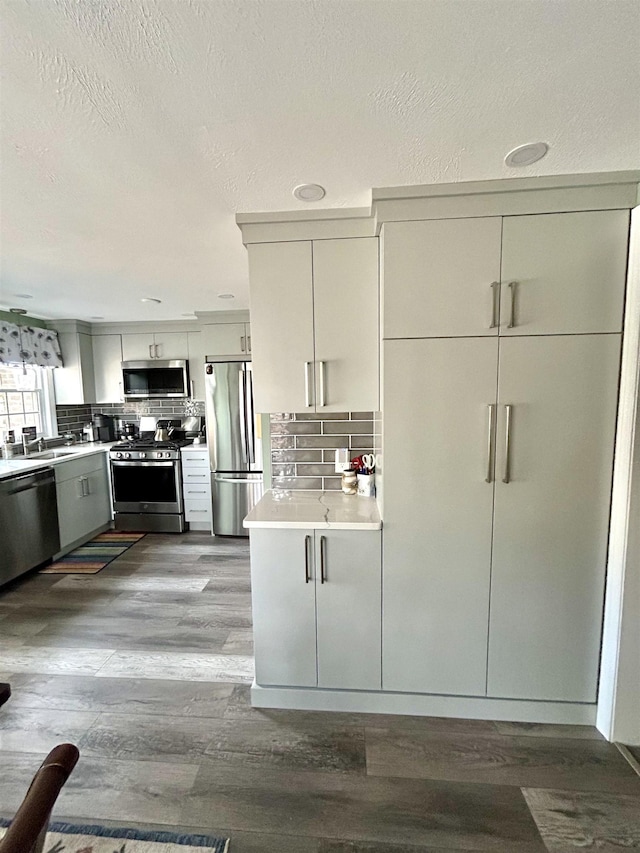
(366, 485)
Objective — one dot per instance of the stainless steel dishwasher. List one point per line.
(28, 522)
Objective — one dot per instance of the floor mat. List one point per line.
(93, 556)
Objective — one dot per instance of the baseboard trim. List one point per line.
(516, 710)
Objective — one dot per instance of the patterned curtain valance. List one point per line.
(29, 345)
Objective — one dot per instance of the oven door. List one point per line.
(147, 486)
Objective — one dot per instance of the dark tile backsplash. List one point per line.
(75, 417)
(303, 447)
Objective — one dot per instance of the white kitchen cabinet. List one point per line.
(312, 349)
(281, 284)
(437, 513)
(82, 491)
(316, 607)
(196, 486)
(227, 339)
(74, 383)
(547, 274)
(552, 517)
(107, 367)
(158, 345)
(196, 365)
(564, 273)
(441, 277)
(472, 562)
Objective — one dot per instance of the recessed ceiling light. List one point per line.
(226, 296)
(525, 155)
(151, 299)
(23, 295)
(309, 192)
(17, 310)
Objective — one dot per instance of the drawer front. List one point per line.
(196, 491)
(73, 468)
(197, 510)
(193, 476)
(195, 460)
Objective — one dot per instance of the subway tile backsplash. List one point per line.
(75, 417)
(303, 447)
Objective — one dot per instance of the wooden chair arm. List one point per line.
(31, 819)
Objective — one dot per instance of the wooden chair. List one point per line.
(29, 827)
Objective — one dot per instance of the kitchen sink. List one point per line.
(51, 454)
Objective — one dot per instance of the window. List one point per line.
(26, 399)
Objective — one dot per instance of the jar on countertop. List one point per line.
(349, 482)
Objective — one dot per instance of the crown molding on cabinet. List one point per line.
(506, 197)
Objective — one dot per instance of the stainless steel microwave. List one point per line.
(158, 379)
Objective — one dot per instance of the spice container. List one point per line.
(349, 482)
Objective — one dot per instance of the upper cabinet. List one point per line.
(107, 360)
(564, 273)
(543, 274)
(312, 349)
(159, 345)
(226, 339)
(74, 383)
(432, 289)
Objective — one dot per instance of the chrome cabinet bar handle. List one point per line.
(242, 349)
(495, 297)
(150, 350)
(507, 444)
(322, 396)
(155, 350)
(88, 482)
(248, 343)
(490, 435)
(307, 572)
(323, 574)
(193, 389)
(512, 318)
(307, 384)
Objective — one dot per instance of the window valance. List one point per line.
(29, 345)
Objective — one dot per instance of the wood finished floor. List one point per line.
(147, 666)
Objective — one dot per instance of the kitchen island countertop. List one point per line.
(281, 508)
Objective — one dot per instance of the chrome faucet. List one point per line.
(27, 445)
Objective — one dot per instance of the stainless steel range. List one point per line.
(147, 485)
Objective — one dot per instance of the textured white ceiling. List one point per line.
(132, 132)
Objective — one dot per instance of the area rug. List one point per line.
(93, 556)
(72, 838)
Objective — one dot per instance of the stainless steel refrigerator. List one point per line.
(235, 449)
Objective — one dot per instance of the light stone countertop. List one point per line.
(33, 462)
(281, 508)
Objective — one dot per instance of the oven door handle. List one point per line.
(167, 464)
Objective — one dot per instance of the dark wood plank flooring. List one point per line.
(147, 667)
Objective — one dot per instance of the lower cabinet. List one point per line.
(316, 608)
(196, 486)
(82, 491)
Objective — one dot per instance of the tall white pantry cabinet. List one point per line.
(501, 354)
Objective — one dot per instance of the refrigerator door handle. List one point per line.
(243, 417)
(251, 437)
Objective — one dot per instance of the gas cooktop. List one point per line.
(150, 444)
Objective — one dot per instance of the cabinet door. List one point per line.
(98, 499)
(284, 607)
(195, 345)
(438, 276)
(137, 347)
(552, 518)
(567, 272)
(348, 601)
(74, 382)
(346, 330)
(225, 339)
(282, 326)
(71, 521)
(438, 511)
(107, 358)
(170, 345)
